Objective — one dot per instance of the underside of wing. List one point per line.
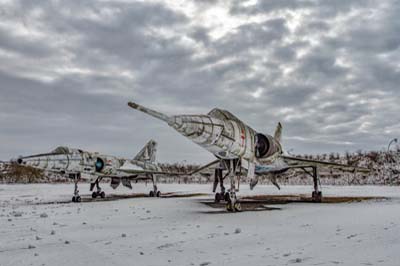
(294, 162)
(148, 172)
(204, 167)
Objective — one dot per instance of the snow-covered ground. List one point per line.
(182, 231)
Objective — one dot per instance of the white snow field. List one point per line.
(182, 231)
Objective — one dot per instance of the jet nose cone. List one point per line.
(150, 112)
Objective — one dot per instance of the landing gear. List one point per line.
(238, 207)
(76, 197)
(218, 197)
(233, 204)
(226, 196)
(316, 195)
(219, 179)
(98, 192)
(154, 192)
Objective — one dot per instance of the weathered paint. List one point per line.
(90, 165)
(219, 132)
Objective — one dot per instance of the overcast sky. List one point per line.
(328, 70)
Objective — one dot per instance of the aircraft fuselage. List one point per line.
(221, 133)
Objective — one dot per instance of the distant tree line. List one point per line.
(385, 171)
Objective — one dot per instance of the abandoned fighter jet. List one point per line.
(77, 164)
(237, 146)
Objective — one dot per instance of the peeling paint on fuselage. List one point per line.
(89, 165)
(221, 133)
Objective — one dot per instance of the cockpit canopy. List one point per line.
(223, 115)
(61, 150)
(66, 150)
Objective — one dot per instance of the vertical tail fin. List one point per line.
(278, 132)
(148, 153)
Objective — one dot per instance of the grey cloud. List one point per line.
(253, 36)
(26, 47)
(320, 66)
(321, 8)
(100, 55)
(268, 6)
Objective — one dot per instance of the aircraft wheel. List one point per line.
(317, 196)
(158, 194)
(102, 194)
(228, 207)
(151, 193)
(238, 207)
(226, 197)
(76, 199)
(94, 195)
(217, 197)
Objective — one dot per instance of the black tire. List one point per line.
(94, 195)
(78, 199)
(151, 194)
(73, 199)
(158, 194)
(217, 197)
(238, 207)
(226, 197)
(317, 196)
(102, 194)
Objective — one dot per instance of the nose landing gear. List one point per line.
(233, 205)
(232, 202)
(76, 178)
(98, 192)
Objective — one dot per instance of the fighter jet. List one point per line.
(77, 164)
(238, 147)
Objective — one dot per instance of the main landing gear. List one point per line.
(219, 179)
(98, 192)
(316, 195)
(155, 192)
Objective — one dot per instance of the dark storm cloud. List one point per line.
(329, 70)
